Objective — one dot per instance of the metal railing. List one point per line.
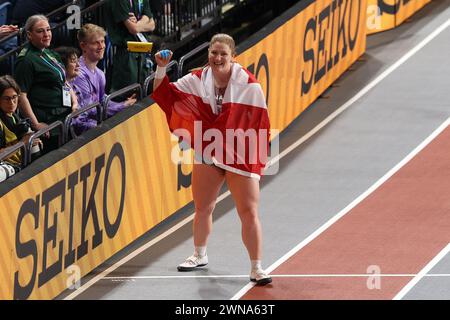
(10, 36)
(43, 131)
(193, 11)
(61, 10)
(7, 152)
(68, 128)
(61, 34)
(177, 16)
(131, 88)
(189, 55)
(65, 34)
(172, 69)
(149, 81)
(177, 23)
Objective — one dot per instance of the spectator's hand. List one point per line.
(7, 29)
(36, 142)
(163, 57)
(27, 136)
(41, 125)
(132, 17)
(130, 100)
(13, 28)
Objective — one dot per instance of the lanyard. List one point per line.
(140, 8)
(52, 65)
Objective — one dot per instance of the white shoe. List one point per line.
(260, 277)
(193, 262)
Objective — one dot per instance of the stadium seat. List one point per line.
(4, 7)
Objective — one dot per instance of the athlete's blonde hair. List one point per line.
(226, 39)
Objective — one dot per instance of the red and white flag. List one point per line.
(234, 137)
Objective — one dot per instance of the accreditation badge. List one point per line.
(67, 100)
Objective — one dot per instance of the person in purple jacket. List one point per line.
(86, 79)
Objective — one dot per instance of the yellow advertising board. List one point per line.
(387, 14)
(378, 20)
(298, 61)
(70, 218)
(407, 8)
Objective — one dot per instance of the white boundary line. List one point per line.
(344, 211)
(363, 275)
(133, 254)
(422, 273)
(363, 91)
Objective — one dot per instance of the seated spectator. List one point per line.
(12, 127)
(88, 81)
(69, 58)
(46, 97)
(7, 45)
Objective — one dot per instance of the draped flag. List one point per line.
(236, 137)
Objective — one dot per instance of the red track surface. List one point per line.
(400, 227)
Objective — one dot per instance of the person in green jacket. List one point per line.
(128, 20)
(45, 95)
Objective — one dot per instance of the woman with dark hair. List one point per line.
(12, 127)
(69, 58)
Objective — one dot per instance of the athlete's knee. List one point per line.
(204, 210)
(249, 215)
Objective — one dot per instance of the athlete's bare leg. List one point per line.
(206, 183)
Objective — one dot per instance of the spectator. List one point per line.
(69, 58)
(88, 81)
(7, 45)
(6, 30)
(12, 127)
(46, 97)
(125, 20)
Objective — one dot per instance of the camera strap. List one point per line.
(9, 122)
(2, 135)
(7, 135)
